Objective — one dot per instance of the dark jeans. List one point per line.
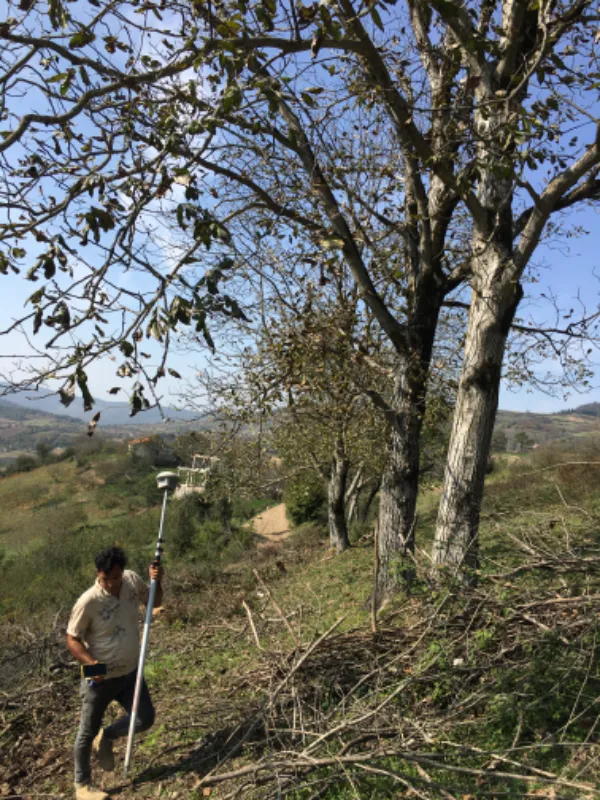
(96, 700)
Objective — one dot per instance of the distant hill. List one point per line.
(543, 428)
(113, 413)
(587, 410)
(23, 425)
(12, 411)
(22, 428)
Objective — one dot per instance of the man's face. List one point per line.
(111, 581)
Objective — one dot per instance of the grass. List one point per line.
(473, 672)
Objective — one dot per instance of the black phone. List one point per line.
(92, 670)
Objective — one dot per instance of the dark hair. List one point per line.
(110, 557)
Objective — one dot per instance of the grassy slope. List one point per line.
(57, 496)
(544, 428)
(474, 669)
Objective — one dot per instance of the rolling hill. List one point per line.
(113, 412)
(544, 428)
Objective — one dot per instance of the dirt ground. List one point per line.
(272, 525)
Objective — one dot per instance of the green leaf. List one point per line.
(263, 15)
(84, 76)
(231, 99)
(37, 320)
(83, 37)
(377, 19)
(58, 15)
(126, 348)
(57, 78)
(65, 85)
(88, 400)
(49, 267)
(136, 404)
(36, 296)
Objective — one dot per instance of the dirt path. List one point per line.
(272, 524)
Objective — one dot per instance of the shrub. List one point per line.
(25, 464)
(305, 498)
(84, 447)
(187, 514)
(245, 508)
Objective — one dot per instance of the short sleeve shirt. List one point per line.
(108, 626)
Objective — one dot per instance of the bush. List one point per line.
(25, 464)
(84, 447)
(305, 498)
(245, 508)
(188, 513)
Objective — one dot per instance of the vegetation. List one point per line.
(354, 298)
(468, 692)
(271, 168)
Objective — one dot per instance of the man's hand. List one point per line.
(155, 573)
(98, 678)
(80, 652)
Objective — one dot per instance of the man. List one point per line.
(103, 629)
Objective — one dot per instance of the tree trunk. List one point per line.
(400, 479)
(397, 502)
(353, 493)
(336, 505)
(493, 305)
(366, 507)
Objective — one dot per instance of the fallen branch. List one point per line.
(252, 626)
(283, 617)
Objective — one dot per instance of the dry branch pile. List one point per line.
(495, 691)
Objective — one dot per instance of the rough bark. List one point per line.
(493, 305)
(398, 499)
(400, 480)
(336, 505)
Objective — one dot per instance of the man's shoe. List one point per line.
(84, 791)
(103, 750)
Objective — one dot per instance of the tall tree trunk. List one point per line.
(336, 501)
(398, 497)
(493, 305)
(400, 479)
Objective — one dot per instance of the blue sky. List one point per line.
(567, 268)
(570, 269)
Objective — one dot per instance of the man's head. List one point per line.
(110, 564)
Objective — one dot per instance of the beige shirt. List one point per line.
(108, 625)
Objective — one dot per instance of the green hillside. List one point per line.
(546, 428)
(488, 691)
(21, 429)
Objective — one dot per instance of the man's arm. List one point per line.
(79, 651)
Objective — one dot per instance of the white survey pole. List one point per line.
(166, 480)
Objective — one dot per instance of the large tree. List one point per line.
(405, 136)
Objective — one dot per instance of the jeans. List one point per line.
(96, 700)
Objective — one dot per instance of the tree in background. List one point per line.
(523, 442)
(499, 441)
